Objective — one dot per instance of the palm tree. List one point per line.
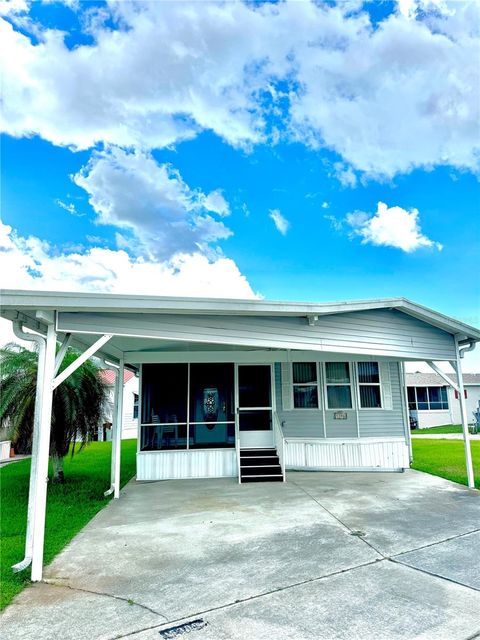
(78, 402)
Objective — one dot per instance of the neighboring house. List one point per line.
(130, 405)
(432, 403)
(249, 388)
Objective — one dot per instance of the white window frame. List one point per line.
(306, 384)
(338, 384)
(370, 384)
(136, 405)
(428, 398)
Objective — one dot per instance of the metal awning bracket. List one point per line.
(80, 360)
(62, 351)
(443, 375)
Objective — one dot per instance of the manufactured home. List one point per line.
(250, 389)
(246, 389)
(433, 403)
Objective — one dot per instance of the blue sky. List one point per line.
(242, 150)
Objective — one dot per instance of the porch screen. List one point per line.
(164, 406)
(187, 406)
(211, 416)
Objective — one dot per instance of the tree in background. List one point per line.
(78, 403)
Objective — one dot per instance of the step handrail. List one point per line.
(279, 443)
(237, 447)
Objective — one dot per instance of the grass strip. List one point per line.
(69, 506)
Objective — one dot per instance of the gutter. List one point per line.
(466, 345)
(41, 342)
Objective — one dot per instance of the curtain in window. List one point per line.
(368, 372)
(304, 372)
(337, 372)
(370, 397)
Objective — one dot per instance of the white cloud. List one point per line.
(390, 227)
(132, 191)
(216, 202)
(29, 263)
(344, 175)
(325, 205)
(11, 7)
(245, 210)
(387, 99)
(281, 223)
(411, 8)
(69, 207)
(335, 222)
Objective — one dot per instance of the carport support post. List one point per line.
(463, 411)
(41, 468)
(117, 430)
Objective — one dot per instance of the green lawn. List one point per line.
(446, 458)
(69, 506)
(446, 428)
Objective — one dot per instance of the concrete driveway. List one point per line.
(325, 556)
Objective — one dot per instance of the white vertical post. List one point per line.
(40, 341)
(114, 432)
(41, 468)
(32, 498)
(237, 421)
(463, 413)
(405, 407)
(117, 431)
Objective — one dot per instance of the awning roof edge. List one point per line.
(21, 301)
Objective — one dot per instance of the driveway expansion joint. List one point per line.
(250, 598)
(392, 558)
(362, 535)
(434, 544)
(433, 574)
(54, 583)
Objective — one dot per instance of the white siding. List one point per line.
(433, 418)
(379, 332)
(129, 423)
(365, 454)
(473, 397)
(167, 465)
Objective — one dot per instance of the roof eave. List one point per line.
(21, 301)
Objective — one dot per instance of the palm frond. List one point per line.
(77, 403)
